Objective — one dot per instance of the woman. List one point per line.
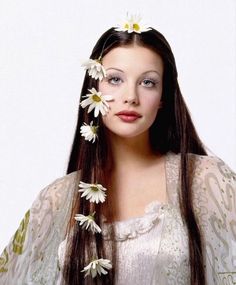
(141, 202)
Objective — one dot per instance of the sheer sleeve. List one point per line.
(31, 255)
(214, 188)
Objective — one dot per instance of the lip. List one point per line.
(128, 116)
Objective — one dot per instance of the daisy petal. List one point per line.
(95, 68)
(89, 132)
(97, 267)
(95, 100)
(88, 223)
(95, 193)
(132, 24)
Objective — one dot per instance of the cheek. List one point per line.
(152, 107)
(151, 103)
(109, 90)
(108, 121)
(101, 87)
(105, 88)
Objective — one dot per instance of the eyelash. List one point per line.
(110, 78)
(154, 82)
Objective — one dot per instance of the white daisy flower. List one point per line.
(132, 24)
(97, 266)
(95, 68)
(89, 132)
(88, 223)
(95, 193)
(95, 100)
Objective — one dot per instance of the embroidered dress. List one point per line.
(152, 249)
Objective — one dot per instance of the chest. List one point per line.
(130, 193)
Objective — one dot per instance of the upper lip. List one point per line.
(129, 113)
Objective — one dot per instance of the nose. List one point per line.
(130, 95)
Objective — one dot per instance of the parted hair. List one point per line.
(172, 130)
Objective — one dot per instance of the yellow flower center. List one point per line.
(94, 188)
(126, 26)
(94, 129)
(136, 27)
(91, 217)
(96, 98)
(99, 60)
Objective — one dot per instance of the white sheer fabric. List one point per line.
(152, 249)
(146, 253)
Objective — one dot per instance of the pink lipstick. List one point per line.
(128, 116)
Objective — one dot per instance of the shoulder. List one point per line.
(49, 216)
(61, 183)
(213, 181)
(203, 165)
(55, 195)
(212, 165)
(213, 178)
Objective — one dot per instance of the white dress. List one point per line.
(152, 249)
(145, 244)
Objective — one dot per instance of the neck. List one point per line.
(131, 152)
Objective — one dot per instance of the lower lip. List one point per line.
(127, 118)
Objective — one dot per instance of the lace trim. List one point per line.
(135, 227)
(124, 230)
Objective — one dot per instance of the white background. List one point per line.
(42, 45)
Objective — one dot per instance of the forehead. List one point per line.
(133, 57)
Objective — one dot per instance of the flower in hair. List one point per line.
(95, 68)
(95, 193)
(95, 100)
(132, 24)
(89, 132)
(88, 223)
(97, 266)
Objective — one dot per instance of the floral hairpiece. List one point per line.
(95, 68)
(88, 223)
(98, 102)
(95, 193)
(89, 132)
(97, 266)
(132, 24)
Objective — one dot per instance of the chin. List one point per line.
(127, 134)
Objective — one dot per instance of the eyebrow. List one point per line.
(141, 74)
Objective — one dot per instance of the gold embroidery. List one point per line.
(3, 261)
(19, 237)
(229, 278)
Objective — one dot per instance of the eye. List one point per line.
(114, 80)
(149, 83)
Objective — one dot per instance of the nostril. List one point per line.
(131, 101)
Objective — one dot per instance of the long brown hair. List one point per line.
(172, 130)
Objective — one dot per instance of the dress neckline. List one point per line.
(147, 210)
(135, 226)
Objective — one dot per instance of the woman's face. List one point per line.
(134, 79)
